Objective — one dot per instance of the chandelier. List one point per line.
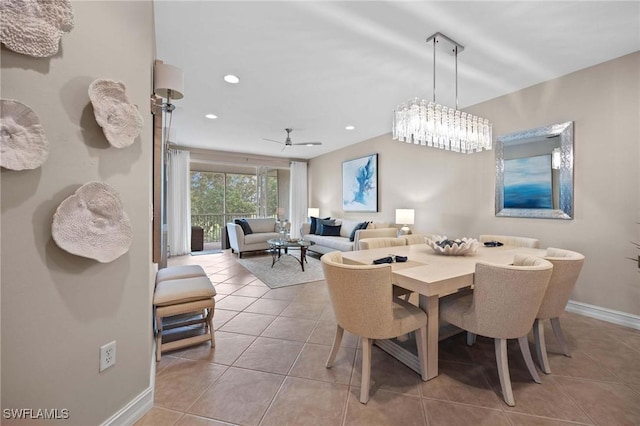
(430, 124)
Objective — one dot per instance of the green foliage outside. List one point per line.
(208, 198)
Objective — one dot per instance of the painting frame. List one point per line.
(360, 184)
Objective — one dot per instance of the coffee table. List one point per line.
(278, 245)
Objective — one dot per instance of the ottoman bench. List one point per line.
(182, 290)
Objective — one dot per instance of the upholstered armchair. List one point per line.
(566, 268)
(503, 305)
(362, 300)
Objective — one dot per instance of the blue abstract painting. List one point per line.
(360, 184)
(527, 183)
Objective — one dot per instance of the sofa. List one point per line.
(325, 244)
(262, 229)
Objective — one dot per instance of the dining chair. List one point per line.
(510, 240)
(415, 238)
(380, 242)
(566, 268)
(362, 299)
(503, 305)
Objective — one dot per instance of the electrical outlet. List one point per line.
(107, 355)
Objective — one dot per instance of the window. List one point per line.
(218, 198)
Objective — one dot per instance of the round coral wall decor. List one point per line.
(92, 223)
(23, 144)
(34, 27)
(120, 120)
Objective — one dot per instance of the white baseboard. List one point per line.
(133, 411)
(604, 314)
(140, 405)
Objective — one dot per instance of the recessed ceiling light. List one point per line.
(211, 116)
(230, 78)
(350, 127)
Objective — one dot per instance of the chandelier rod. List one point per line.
(457, 48)
(434, 68)
(456, 54)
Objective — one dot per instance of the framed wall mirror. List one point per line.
(534, 173)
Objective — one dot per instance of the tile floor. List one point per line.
(271, 345)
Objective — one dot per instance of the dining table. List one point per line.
(432, 276)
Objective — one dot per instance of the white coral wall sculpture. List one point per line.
(120, 120)
(92, 223)
(34, 27)
(23, 144)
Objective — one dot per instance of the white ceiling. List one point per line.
(319, 66)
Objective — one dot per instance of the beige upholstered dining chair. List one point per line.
(504, 303)
(510, 240)
(566, 268)
(415, 238)
(362, 300)
(380, 242)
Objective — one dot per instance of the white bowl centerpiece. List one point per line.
(457, 247)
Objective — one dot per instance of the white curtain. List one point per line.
(298, 197)
(178, 203)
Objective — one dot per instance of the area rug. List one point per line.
(285, 272)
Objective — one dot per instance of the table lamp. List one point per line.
(406, 217)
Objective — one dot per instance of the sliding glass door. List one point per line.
(220, 197)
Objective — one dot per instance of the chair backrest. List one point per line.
(566, 268)
(361, 295)
(372, 243)
(506, 299)
(415, 238)
(510, 240)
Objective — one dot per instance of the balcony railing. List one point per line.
(212, 224)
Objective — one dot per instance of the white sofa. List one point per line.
(325, 244)
(263, 229)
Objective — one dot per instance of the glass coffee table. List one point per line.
(278, 245)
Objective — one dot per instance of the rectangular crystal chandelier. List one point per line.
(431, 124)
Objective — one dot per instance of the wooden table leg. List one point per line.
(429, 304)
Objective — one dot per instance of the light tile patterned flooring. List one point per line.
(271, 345)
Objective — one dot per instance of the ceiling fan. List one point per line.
(287, 142)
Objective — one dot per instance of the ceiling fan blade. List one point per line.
(271, 140)
(308, 143)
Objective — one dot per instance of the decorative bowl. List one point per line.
(458, 247)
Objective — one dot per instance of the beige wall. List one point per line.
(58, 309)
(454, 193)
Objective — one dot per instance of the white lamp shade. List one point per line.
(313, 212)
(405, 216)
(168, 81)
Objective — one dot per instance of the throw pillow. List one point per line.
(330, 230)
(321, 222)
(244, 225)
(313, 229)
(362, 225)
